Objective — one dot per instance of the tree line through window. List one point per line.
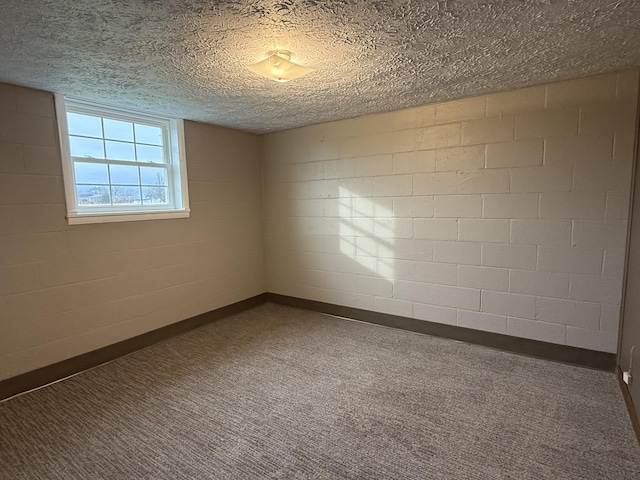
(121, 164)
(129, 143)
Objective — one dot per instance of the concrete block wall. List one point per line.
(504, 213)
(68, 290)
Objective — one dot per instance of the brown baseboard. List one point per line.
(51, 373)
(560, 353)
(633, 413)
(523, 346)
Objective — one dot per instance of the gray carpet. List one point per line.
(277, 392)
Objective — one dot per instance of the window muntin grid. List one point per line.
(119, 162)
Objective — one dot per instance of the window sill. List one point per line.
(85, 218)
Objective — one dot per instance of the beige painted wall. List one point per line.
(68, 290)
(504, 213)
(629, 354)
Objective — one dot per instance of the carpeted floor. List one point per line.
(277, 392)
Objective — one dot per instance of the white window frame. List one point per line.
(173, 143)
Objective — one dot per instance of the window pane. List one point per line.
(155, 195)
(86, 147)
(120, 162)
(118, 130)
(124, 195)
(120, 151)
(93, 195)
(153, 176)
(96, 173)
(124, 175)
(87, 125)
(147, 134)
(149, 154)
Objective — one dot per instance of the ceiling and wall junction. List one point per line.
(188, 57)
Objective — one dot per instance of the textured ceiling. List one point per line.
(188, 57)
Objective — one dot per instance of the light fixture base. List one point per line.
(286, 54)
(279, 67)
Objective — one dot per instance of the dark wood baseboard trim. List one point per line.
(633, 413)
(51, 373)
(523, 346)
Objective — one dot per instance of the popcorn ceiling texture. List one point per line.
(187, 58)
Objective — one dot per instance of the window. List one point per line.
(121, 165)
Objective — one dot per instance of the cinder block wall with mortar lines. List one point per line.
(68, 290)
(504, 213)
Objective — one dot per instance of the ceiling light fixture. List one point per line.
(279, 67)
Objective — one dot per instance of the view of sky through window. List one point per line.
(111, 160)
